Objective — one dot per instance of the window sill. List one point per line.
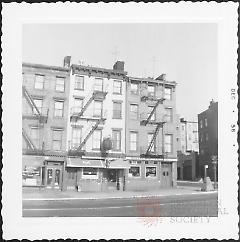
(78, 89)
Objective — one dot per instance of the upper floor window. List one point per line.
(117, 87)
(168, 93)
(58, 108)
(206, 136)
(39, 104)
(168, 143)
(116, 138)
(35, 136)
(78, 104)
(98, 84)
(60, 84)
(97, 109)
(150, 137)
(39, 82)
(133, 141)
(117, 110)
(57, 139)
(79, 82)
(134, 88)
(133, 111)
(150, 109)
(205, 120)
(76, 136)
(169, 115)
(201, 123)
(151, 90)
(96, 139)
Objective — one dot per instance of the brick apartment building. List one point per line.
(96, 129)
(44, 118)
(188, 148)
(208, 138)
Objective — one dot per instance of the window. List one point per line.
(168, 144)
(79, 82)
(151, 171)
(98, 85)
(133, 141)
(58, 108)
(35, 136)
(97, 109)
(60, 84)
(39, 104)
(57, 139)
(205, 122)
(116, 138)
(133, 111)
(150, 136)
(206, 136)
(117, 87)
(89, 173)
(117, 110)
(76, 137)
(201, 123)
(168, 115)
(150, 108)
(96, 139)
(134, 88)
(134, 171)
(39, 82)
(168, 93)
(78, 104)
(151, 90)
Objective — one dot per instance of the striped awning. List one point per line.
(78, 162)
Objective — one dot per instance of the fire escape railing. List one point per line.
(28, 140)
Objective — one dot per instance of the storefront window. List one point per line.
(31, 176)
(90, 173)
(134, 171)
(151, 171)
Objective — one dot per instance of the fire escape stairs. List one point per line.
(28, 140)
(30, 100)
(90, 133)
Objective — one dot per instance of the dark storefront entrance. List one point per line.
(113, 179)
(53, 177)
(166, 175)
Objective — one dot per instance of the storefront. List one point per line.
(96, 174)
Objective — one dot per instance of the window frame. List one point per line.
(140, 172)
(96, 148)
(150, 166)
(76, 87)
(56, 84)
(131, 112)
(171, 114)
(54, 140)
(54, 114)
(133, 132)
(154, 144)
(168, 94)
(165, 144)
(132, 91)
(37, 129)
(114, 116)
(114, 82)
(153, 118)
(120, 139)
(95, 176)
(151, 94)
(79, 128)
(43, 81)
(95, 84)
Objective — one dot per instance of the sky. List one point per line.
(185, 52)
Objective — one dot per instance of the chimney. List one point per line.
(162, 77)
(119, 66)
(67, 61)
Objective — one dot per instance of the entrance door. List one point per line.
(113, 179)
(166, 175)
(53, 176)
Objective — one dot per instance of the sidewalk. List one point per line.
(34, 194)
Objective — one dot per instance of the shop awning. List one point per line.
(118, 164)
(78, 162)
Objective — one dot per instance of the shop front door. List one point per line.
(112, 179)
(166, 175)
(53, 177)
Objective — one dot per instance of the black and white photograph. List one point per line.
(130, 120)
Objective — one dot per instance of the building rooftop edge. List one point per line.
(144, 79)
(49, 67)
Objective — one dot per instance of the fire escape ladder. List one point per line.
(154, 137)
(28, 140)
(90, 133)
(30, 100)
(85, 106)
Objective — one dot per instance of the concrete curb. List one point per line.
(104, 198)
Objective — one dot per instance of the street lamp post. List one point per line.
(214, 162)
(205, 171)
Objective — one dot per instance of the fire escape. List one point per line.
(36, 114)
(147, 152)
(93, 120)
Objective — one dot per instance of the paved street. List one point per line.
(202, 204)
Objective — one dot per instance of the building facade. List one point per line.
(188, 148)
(151, 133)
(208, 139)
(44, 117)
